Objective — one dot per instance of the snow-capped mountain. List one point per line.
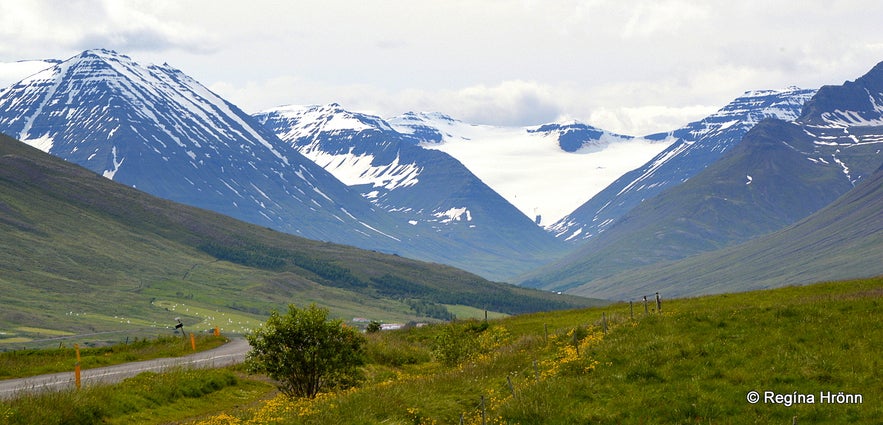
(426, 188)
(155, 128)
(546, 171)
(358, 149)
(694, 147)
(778, 173)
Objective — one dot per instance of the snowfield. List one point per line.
(531, 170)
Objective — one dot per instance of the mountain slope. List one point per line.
(779, 173)
(842, 241)
(73, 241)
(545, 171)
(426, 188)
(694, 147)
(159, 130)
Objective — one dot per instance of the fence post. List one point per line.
(632, 310)
(658, 303)
(576, 341)
(646, 310)
(604, 321)
(545, 333)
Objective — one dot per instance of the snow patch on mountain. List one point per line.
(354, 169)
(43, 143)
(116, 164)
(454, 214)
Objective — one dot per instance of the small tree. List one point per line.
(306, 352)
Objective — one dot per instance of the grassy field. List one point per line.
(810, 353)
(695, 362)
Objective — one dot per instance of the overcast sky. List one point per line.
(633, 67)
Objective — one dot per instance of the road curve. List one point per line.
(230, 353)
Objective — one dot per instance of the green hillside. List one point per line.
(80, 253)
(717, 208)
(843, 240)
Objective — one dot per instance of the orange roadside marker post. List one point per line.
(77, 367)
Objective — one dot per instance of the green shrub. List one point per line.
(306, 352)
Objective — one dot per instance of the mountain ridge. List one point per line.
(780, 172)
(692, 148)
(159, 130)
(426, 188)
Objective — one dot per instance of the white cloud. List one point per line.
(510, 103)
(63, 28)
(646, 120)
(636, 66)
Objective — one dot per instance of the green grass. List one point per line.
(693, 363)
(148, 398)
(467, 312)
(31, 362)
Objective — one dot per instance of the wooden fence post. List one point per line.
(632, 310)
(604, 321)
(511, 387)
(576, 341)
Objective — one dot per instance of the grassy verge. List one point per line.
(24, 363)
(695, 362)
(148, 398)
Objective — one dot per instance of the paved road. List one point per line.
(231, 353)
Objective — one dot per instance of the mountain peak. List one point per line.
(161, 131)
(854, 103)
(101, 53)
